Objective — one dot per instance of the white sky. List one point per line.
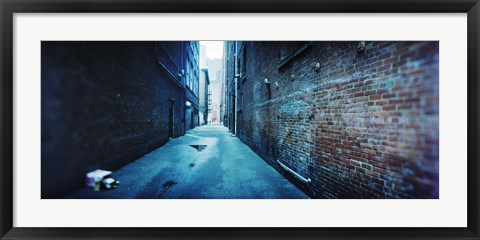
(214, 48)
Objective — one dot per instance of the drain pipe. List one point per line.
(305, 180)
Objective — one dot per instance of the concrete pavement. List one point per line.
(223, 169)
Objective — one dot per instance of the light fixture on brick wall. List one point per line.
(266, 82)
(361, 47)
(316, 67)
(188, 104)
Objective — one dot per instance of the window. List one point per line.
(239, 64)
(240, 103)
(243, 64)
(241, 99)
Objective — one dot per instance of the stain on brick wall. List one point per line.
(362, 125)
(295, 138)
(104, 104)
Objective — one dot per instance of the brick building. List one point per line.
(340, 119)
(192, 75)
(105, 104)
(230, 85)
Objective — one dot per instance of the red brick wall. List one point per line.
(363, 125)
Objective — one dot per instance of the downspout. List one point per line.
(295, 174)
(182, 70)
(235, 86)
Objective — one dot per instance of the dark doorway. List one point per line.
(192, 121)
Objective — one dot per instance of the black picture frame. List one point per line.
(9, 7)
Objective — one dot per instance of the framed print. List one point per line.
(262, 120)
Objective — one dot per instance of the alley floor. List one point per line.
(223, 168)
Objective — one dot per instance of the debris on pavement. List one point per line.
(169, 183)
(101, 179)
(110, 183)
(199, 147)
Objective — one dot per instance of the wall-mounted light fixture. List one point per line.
(316, 67)
(188, 104)
(276, 84)
(360, 47)
(266, 82)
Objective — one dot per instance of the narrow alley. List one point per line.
(224, 169)
(240, 119)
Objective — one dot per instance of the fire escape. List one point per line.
(209, 104)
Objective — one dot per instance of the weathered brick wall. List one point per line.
(104, 104)
(364, 125)
(229, 85)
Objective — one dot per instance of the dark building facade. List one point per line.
(341, 119)
(105, 104)
(230, 58)
(192, 76)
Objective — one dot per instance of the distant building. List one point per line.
(204, 96)
(203, 56)
(215, 69)
(215, 66)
